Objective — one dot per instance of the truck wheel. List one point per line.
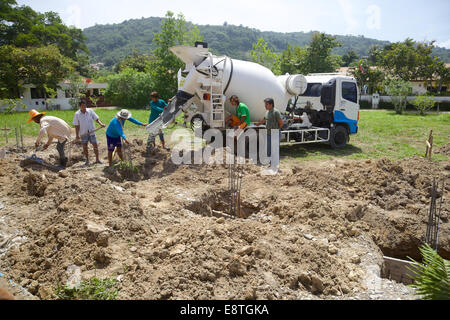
(339, 137)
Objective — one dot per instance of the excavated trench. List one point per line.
(218, 203)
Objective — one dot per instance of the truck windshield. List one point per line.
(313, 90)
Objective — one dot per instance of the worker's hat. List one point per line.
(124, 114)
(33, 114)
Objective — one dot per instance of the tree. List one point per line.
(318, 54)
(136, 61)
(374, 55)
(349, 57)
(427, 63)
(401, 60)
(76, 89)
(265, 56)
(164, 68)
(23, 27)
(292, 60)
(368, 75)
(423, 103)
(398, 90)
(410, 60)
(130, 89)
(444, 75)
(42, 67)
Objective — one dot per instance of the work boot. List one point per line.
(87, 163)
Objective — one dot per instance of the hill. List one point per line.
(112, 42)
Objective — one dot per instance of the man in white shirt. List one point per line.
(54, 128)
(83, 121)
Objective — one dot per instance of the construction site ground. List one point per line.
(317, 230)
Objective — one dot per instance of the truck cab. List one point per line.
(330, 101)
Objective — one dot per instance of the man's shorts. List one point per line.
(113, 143)
(89, 138)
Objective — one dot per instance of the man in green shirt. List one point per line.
(274, 124)
(242, 118)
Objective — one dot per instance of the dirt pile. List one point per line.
(313, 231)
(390, 198)
(445, 150)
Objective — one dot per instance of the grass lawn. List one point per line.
(381, 134)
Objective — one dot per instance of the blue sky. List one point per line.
(379, 19)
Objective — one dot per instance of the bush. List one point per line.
(398, 90)
(423, 103)
(93, 289)
(129, 89)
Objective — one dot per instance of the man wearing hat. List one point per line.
(114, 133)
(54, 128)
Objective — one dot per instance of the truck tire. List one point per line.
(339, 137)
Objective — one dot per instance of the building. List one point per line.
(34, 98)
(419, 87)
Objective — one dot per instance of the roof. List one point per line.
(325, 77)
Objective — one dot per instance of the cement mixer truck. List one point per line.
(316, 108)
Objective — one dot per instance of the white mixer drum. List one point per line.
(253, 83)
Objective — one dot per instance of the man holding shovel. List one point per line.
(83, 121)
(54, 128)
(114, 133)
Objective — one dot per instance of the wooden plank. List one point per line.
(397, 270)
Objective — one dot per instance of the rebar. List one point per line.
(235, 185)
(21, 139)
(17, 139)
(434, 216)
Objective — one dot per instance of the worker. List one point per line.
(114, 133)
(273, 121)
(83, 121)
(54, 128)
(242, 118)
(157, 106)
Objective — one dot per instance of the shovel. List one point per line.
(88, 134)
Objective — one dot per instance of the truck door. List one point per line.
(347, 107)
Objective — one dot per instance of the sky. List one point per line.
(378, 19)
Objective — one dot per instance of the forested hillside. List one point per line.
(111, 43)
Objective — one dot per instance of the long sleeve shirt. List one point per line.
(115, 127)
(54, 128)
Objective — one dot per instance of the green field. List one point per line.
(384, 134)
(381, 134)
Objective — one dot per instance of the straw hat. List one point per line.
(33, 114)
(124, 114)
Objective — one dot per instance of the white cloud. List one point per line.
(445, 44)
(347, 9)
(374, 17)
(73, 14)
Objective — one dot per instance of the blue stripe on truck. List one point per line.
(339, 117)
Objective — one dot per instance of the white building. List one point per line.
(34, 98)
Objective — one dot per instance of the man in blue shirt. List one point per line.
(157, 106)
(114, 133)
